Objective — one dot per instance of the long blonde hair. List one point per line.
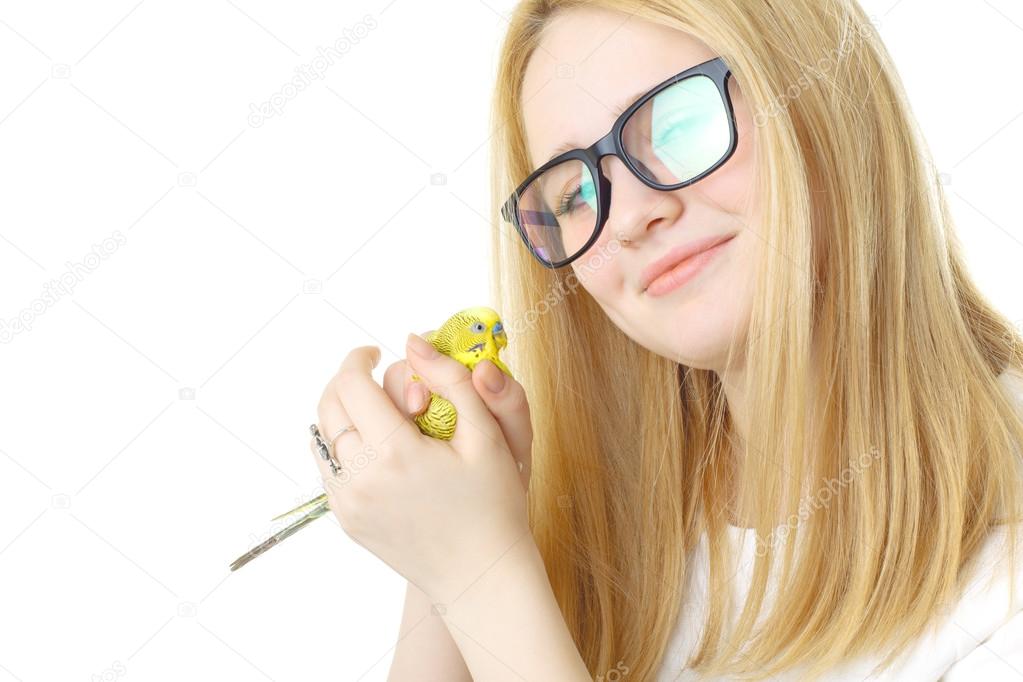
(630, 465)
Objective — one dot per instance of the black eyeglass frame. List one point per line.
(611, 145)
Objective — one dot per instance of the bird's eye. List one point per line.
(478, 327)
(498, 328)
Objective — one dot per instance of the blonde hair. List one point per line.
(630, 464)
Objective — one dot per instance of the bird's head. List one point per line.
(472, 335)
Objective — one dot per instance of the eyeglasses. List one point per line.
(679, 132)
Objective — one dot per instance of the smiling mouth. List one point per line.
(683, 271)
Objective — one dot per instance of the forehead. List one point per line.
(589, 61)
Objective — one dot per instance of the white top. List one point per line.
(981, 639)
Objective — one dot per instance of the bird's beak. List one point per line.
(495, 344)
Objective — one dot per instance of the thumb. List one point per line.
(510, 409)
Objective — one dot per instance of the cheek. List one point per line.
(731, 188)
(599, 273)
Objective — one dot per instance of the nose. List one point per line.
(635, 207)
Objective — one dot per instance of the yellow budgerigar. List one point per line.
(468, 336)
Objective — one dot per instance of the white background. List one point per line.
(154, 416)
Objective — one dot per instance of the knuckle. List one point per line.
(460, 376)
(321, 415)
(394, 467)
(345, 377)
(387, 452)
(394, 369)
(327, 394)
(394, 378)
(369, 452)
(392, 448)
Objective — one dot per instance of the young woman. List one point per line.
(793, 454)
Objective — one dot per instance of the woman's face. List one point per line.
(589, 61)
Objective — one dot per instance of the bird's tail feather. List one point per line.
(317, 511)
(316, 501)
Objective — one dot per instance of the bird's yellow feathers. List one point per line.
(468, 336)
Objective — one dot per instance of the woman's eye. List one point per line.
(565, 204)
(688, 123)
(586, 191)
(667, 132)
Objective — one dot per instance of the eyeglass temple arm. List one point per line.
(533, 218)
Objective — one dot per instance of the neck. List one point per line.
(735, 396)
(732, 380)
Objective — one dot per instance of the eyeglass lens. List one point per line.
(677, 134)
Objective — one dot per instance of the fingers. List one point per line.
(331, 417)
(450, 379)
(402, 391)
(367, 404)
(333, 482)
(409, 394)
(417, 394)
(511, 410)
(395, 383)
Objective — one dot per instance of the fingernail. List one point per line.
(493, 378)
(420, 347)
(416, 397)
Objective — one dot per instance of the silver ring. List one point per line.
(325, 453)
(334, 468)
(343, 429)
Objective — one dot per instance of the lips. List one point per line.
(679, 254)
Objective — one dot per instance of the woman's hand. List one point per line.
(438, 512)
(508, 405)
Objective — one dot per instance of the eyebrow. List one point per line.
(617, 111)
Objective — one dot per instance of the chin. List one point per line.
(699, 360)
(698, 342)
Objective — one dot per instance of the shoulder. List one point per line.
(988, 620)
(999, 656)
(984, 624)
(991, 624)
